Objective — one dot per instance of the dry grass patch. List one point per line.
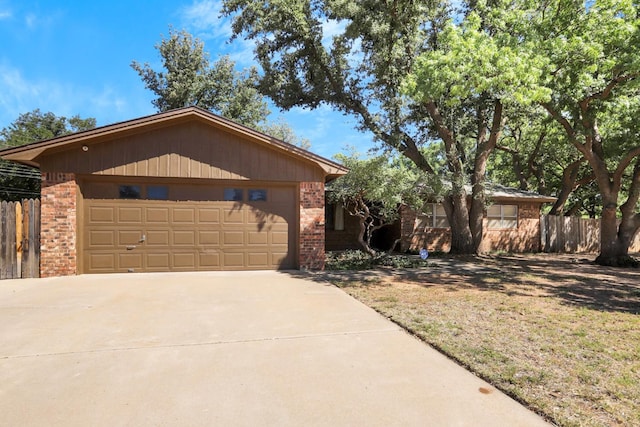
(562, 337)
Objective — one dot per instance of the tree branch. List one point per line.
(624, 163)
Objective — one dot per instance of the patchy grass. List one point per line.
(557, 333)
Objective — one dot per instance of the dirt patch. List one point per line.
(556, 332)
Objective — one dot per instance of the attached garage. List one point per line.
(184, 190)
(164, 226)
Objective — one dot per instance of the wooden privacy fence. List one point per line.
(568, 234)
(20, 239)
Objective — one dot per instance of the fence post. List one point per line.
(19, 236)
(8, 255)
(31, 238)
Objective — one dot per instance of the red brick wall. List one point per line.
(416, 235)
(58, 225)
(312, 231)
(525, 238)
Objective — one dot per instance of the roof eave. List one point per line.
(28, 154)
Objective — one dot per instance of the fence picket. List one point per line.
(572, 234)
(20, 239)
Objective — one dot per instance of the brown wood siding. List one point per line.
(186, 150)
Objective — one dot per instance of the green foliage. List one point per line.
(479, 56)
(280, 129)
(36, 126)
(19, 181)
(359, 260)
(373, 190)
(188, 79)
(454, 74)
(356, 68)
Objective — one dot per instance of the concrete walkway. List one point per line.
(223, 349)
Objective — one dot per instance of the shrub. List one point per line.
(359, 260)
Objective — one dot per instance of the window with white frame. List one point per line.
(434, 216)
(338, 219)
(334, 216)
(502, 216)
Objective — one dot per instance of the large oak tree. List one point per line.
(356, 56)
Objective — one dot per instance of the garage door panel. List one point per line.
(158, 215)
(233, 216)
(157, 238)
(233, 260)
(184, 238)
(130, 260)
(185, 234)
(209, 216)
(129, 237)
(183, 216)
(99, 238)
(130, 215)
(279, 238)
(233, 238)
(279, 258)
(258, 238)
(158, 261)
(101, 214)
(209, 238)
(209, 260)
(258, 260)
(184, 261)
(103, 262)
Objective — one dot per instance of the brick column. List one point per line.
(312, 225)
(58, 255)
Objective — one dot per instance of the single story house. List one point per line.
(183, 190)
(511, 224)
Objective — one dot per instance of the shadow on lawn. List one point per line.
(573, 278)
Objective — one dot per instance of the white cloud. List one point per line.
(203, 19)
(204, 16)
(5, 14)
(30, 21)
(19, 94)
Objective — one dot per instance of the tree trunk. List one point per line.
(614, 251)
(458, 215)
(615, 240)
(569, 178)
(364, 243)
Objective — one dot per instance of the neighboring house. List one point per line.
(511, 224)
(182, 190)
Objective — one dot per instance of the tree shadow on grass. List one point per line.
(571, 278)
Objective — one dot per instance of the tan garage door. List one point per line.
(132, 227)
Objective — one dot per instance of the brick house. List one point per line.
(183, 190)
(511, 224)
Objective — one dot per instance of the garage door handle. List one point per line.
(131, 247)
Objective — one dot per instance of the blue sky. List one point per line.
(74, 57)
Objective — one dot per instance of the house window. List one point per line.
(334, 216)
(258, 195)
(157, 192)
(130, 192)
(435, 216)
(502, 216)
(338, 217)
(233, 194)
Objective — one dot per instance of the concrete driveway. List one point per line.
(208, 349)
